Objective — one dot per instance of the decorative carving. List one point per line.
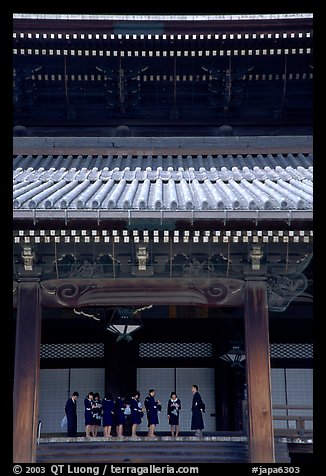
(218, 291)
(105, 265)
(218, 263)
(226, 291)
(70, 266)
(66, 264)
(177, 264)
(283, 289)
(85, 270)
(28, 256)
(142, 257)
(255, 255)
(237, 261)
(183, 265)
(65, 292)
(194, 267)
(68, 294)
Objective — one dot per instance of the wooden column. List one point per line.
(260, 422)
(173, 311)
(121, 367)
(26, 372)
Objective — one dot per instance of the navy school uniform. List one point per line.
(108, 412)
(136, 411)
(71, 413)
(174, 407)
(97, 412)
(198, 406)
(120, 406)
(152, 408)
(88, 411)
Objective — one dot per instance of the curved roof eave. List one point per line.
(131, 17)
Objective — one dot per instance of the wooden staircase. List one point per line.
(142, 450)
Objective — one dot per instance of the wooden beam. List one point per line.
(260, 421)
(141, 291)
(26, 372)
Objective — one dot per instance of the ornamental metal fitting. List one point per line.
(255, 256)
(28, 257)
(142, 257)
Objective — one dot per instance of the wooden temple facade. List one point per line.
(190, 230)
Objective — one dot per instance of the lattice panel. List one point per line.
(72, 351)
(175, 349)
(291, 351)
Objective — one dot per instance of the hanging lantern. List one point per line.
(123, 322)
(235, 356)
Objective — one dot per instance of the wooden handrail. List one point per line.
(300, 419)
(292, 407)
(293, 417)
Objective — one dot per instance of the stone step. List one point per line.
(281, 452)
(144, 452)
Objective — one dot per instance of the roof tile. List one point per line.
(241, 182)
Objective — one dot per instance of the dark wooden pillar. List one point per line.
(260, 422)
(121, 367)
(173, 311)
(26, 372)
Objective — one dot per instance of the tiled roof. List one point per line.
(192, 182)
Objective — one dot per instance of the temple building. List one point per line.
(162, 210)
